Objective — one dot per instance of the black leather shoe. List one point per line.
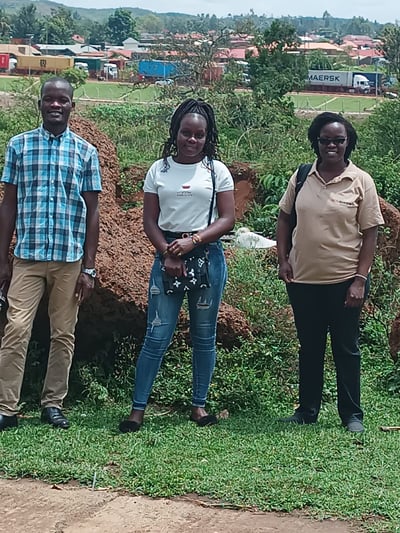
(8, 422)
(54, 416)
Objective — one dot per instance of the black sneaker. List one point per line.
(296, 418)
(354, 425)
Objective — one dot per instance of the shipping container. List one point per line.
(157, 69)
(337, 80)
(4, 61)
(40, 64)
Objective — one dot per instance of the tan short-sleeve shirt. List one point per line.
(330, 218)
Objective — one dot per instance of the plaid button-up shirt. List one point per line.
(50, 174)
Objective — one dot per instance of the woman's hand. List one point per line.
(285, 272)
(180, 247)
(174, 265)
(355, 293)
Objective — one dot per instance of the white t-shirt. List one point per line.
(185, 192)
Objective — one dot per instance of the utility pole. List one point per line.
(30, 37)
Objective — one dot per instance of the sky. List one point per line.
(382, 11)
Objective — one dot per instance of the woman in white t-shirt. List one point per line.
(183, 210)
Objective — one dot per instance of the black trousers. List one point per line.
(318, 309)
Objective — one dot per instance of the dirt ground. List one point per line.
(33, 506)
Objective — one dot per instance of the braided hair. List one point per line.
(199, 107)
(322, 120)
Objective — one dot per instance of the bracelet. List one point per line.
(196, 239)
(165, 252)
(361, 276)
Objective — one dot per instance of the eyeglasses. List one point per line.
(336, 142)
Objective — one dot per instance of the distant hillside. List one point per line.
(329, 26)
(44, 7)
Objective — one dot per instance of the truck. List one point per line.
(4, 61)
(81, 65)
(155, 69)
(93, 65)
(109, 71)
(37, 65)
(375, 80)
(97, 67)
(337, 81)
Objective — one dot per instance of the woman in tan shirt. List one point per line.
(326, 270)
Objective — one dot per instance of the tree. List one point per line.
(75, 76)
(97, 32)
(391, 48)
(60, 26)
(327, 17)
(150, 24)
(5, 28)
(279, 67)
(121, 26)
(358, 26)
(26, 22)
(319, 60)
(195, 54)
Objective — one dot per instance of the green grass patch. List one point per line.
(335, 103)
(249, 459)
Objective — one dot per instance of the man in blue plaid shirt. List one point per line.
(51, 182)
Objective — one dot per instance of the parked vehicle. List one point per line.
(337, 81)
(157, 69)
(4, 61)
(110, 71)
(94, 64)
(390, 95)
(80, 65)
(163, 83)
(37, 65)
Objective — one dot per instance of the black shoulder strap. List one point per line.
(301, 177)
(302, 173)
(211, 163)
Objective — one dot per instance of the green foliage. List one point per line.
(319, 60)
(275, 71)
(145, 129)
(381, 130)
(390, 38)
(60, 26)
(121, 25)
(25, 22)
(75, 76)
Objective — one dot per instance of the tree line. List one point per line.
(114, 26)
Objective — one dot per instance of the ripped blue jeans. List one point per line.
(162, 316)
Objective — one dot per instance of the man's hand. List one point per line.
(84, 287)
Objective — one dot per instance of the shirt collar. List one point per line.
(48, 136)
(350, 172)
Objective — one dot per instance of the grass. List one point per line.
(100, 90)
(248, 460)
(334, 103)
(123, 92)
(117, 92)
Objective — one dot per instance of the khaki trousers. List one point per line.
(28, 284)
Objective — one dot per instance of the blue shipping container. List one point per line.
(157, 69)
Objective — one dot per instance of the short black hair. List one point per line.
(200, 107)
(58, 79)
(322, 120)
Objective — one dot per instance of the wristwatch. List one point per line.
(90, 272)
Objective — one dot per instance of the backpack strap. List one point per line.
(301, 176)
(211, 163)
(302, 173)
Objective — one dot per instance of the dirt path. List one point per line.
(34, 507)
